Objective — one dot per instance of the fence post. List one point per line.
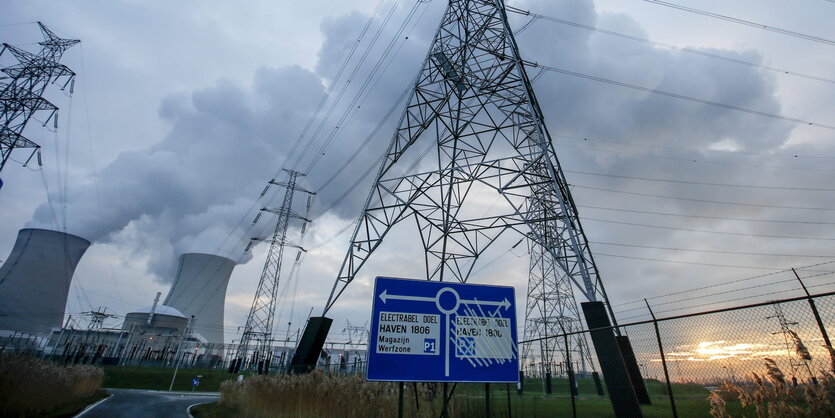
(400, 400)
(488, 412)
(444, 410)
(663, 361)
(570, 373)
(814, 310)
(507, 392)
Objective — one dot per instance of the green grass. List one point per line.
(159, 379)
(214, 410)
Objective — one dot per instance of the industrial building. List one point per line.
(154, 335)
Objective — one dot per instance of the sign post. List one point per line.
(423, 331)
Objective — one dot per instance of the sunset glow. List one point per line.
(721, 350)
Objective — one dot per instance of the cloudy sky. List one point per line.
(182, 112)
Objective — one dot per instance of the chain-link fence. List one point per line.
(679, 361)
(683, 359)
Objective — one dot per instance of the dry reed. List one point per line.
(29, 386)
(774, 397)
(321, 395)
(800, 348)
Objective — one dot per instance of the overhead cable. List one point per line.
(679, 96)
(708, 251)
(686, 262)
(721, 202)
(694, 51)
(745, 22)
(673, 147)
(701, 183)
(741, 234)
(726, 283)
(720, 218)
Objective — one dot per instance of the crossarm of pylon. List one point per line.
(21, 55)
(13, 139)
(290, 213)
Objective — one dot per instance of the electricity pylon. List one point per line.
(551, 309)
(474, 107)
(21, 94)
(254, 348)
(473, 111)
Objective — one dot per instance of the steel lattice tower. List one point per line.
(254, 348)
(473, 105)
(551, 309)
(474, 113)
(21, 95)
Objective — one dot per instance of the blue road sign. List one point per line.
(424, 331)
(195, 382)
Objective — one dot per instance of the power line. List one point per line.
(708, 251)
(724, 283)
(672, 302)
(685, 262)
(367, 140)
(679, 96)
(367, 86)
(322, 102)
(721, 218)
(535, 16)
(692, 160)
(745, 22)
(345, 86)
(708, 232)
(701, 183)
(734, 299)
(638, 144)
(602, 189)
(336, 78)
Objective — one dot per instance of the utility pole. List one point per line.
(253, 350)
(186, 333)
(22, 95)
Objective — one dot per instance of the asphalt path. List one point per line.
(135, 403)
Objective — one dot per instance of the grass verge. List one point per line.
(160, 379)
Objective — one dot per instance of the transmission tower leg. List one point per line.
(310, 346)
(621, 391)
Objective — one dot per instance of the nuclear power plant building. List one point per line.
(35, 280)
(199, 289)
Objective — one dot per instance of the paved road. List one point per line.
(135, 403)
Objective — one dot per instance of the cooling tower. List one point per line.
(35, 280)
(200, 290)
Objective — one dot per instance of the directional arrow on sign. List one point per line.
(504, 303)
(384, 296)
